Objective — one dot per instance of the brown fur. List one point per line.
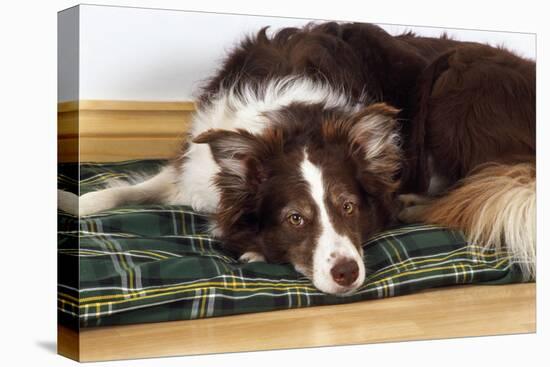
(476, 119)
(476, 105)
(254, 204)
(462, 103)
(354, 56)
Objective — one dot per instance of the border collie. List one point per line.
(298, 154)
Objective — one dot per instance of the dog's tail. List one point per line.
(160, 188)
(496, 207)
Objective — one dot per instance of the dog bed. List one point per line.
(156, 263)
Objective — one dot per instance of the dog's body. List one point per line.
(297, 159)
(475, 149)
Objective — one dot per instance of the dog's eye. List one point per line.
(348, 207)
(295, 219)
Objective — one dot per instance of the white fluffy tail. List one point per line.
(496, 208)
(160, 189)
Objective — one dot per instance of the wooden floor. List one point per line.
(442, 313)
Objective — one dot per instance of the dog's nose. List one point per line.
(345, 272)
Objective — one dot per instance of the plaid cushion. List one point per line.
(156, 263)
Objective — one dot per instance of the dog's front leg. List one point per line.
(414, 207)
(251, 257)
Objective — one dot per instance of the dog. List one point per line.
(307, 142)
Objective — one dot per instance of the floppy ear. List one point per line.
(238, 154)
(374, 142)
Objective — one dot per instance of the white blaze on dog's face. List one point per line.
(308, 190)
(337, 265)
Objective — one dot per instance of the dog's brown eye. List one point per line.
(296, 219)
(348, 207)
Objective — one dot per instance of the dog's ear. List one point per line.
(238, 154)
(373, 138)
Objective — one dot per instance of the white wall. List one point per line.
(145, 54)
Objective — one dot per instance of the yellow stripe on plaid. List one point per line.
(414, 262)
(282, 285)
(138, 210)
(402, 230)
(234, 285)
(293, 287)
(420, 271)
(122, 259)
(286, 287)
(102, 177)
(150, 253)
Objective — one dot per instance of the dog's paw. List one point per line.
(408, 200)
(251, 257)
(96, 202)
(204, 202)
(413, 207)
(412, 214)
(67, 201)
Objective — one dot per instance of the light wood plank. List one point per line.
(67, 106)
(68, 343)
(441, 313)
(106, 131)
(107, 149)
(125, 105)
(124, 124)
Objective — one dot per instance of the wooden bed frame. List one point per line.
(109, 131)
(106, 131)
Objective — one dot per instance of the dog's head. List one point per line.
(309, 189)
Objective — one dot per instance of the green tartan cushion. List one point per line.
(156, 263)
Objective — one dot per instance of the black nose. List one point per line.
(345, 272)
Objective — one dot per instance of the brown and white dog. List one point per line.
(299, 155)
